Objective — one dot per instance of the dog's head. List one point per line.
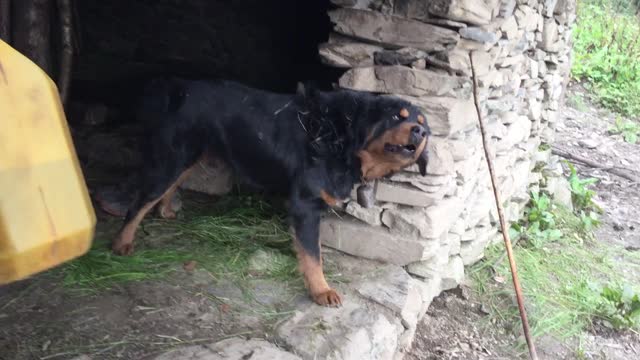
(390, 133)
(396, 137)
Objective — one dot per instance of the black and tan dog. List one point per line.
(312, 145)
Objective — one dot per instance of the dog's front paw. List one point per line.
(328, 298)
(121, 247)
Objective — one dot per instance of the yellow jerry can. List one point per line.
(46, 216)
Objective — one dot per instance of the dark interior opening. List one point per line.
(122, 44)
(265, 44)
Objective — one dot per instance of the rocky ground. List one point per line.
(456, 325)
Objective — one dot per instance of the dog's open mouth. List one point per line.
(408, 149)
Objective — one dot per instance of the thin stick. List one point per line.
(503, 225)
(624, 173)
(66, 54)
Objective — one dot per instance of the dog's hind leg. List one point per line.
(145, 201)
(164, 208)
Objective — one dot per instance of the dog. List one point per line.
(312, 145)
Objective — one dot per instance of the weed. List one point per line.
(628, 129)
(220, 240)
(544, 147)
(620, 306)
(581, 195)
(538, 226)
(577, 102)
(606, 49)
(589, 220)
(563, 281)
(539, 212)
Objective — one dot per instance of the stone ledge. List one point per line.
(230, 349)
(402, 80)
(377, 243)
(392, 30)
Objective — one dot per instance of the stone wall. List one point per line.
(418, 49)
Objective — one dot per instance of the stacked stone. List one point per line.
(418, 50)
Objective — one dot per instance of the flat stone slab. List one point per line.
(230, 349)
(382, 304)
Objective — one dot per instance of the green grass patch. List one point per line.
(220, 238)
(578, 102)
(628, 129)
(567, 281)
(606, 52)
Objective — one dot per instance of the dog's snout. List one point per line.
(419, 131)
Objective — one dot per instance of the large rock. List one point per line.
(452, 273)
(210, 176)
(406, 195)
(473, 251)
(527, 18)
(446, 115)
(510, 28)
(230, 349)
(405, 81)
(428, 223)
(430, 184)
(506, 8)
(559, 188)
(479, 34)
(392, 287)
(354, 331)
(392, 31)
(440, 158)
(370, 242)
(475, 12)
(549, 36)
(347, 55)
(431, 267)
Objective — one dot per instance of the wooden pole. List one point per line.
(66, 51)
(503, 225)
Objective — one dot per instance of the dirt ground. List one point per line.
(42, 319)
(457, 324)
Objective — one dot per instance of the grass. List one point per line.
(628, 129)
(220, 239)
(563, 280)
(606, 49)
(577, 101)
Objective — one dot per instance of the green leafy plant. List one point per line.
(539, 224)
(620, 306)
(581, 195)
(570, 283)
(628, 129)
(589, 220)
(606, 49)
(539, 211)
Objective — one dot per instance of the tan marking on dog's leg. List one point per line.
(330, 200)
(164, 208)
(311, 270)
(123, 243)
